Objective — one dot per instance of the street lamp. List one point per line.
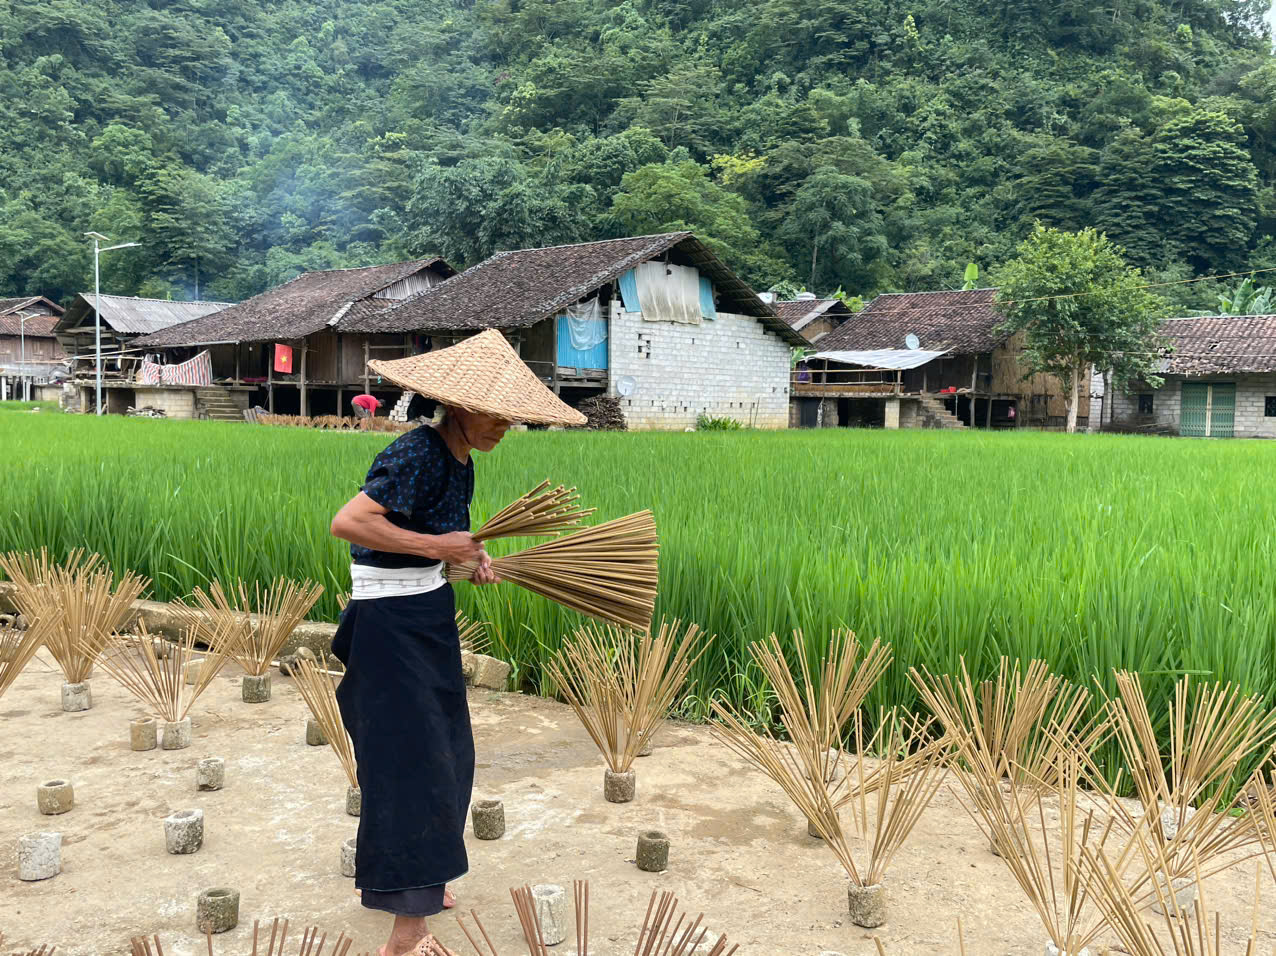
(98, 238)
(22, 357)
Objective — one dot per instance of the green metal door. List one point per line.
(1222, 410)
(1194, 416)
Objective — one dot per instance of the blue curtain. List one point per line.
(629, 291)
(707, 309)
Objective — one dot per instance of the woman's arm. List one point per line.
(363, 522)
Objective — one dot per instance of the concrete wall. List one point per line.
(729, 368)
(1251, 394)
(174, 402)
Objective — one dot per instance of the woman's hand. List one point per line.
(455, 547)
(485, 574)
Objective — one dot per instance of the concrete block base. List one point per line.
(619, 787)
(217, 910)
(54, 797)
(488, 818)
(867, 904)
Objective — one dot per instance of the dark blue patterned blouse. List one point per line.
(423, 488)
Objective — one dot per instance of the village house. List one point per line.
(123, 320)
(657, 322)
(1219, 381)
(926, 359)
(29, 351)
(811, 317)
(290, 349)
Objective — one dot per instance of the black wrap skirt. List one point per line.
(403, 702)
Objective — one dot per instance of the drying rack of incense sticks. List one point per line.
(607, 571)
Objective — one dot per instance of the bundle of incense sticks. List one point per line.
(312, 943)
(665, 930)
(539, 512)
(93, 608)
(160, 682)
(18, 647)
(319, 690)
(608, 571)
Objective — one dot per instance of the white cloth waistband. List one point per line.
(369, 582)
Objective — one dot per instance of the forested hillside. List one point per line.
(869, 144)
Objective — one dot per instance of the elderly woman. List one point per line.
(402, 698)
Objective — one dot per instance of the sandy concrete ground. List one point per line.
(740, 852)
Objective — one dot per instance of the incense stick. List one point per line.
(319, 690)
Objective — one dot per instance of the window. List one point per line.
(1269, 406)
(1145, 403)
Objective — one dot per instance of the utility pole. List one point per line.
(98, 238)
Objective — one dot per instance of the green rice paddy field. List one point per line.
(1092, 552)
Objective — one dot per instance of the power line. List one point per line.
(1064, 295)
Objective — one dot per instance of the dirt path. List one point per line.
(740, 853)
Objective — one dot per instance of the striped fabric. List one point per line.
(197, 371)
(151, 373)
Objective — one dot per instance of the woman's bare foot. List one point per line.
(404, 937)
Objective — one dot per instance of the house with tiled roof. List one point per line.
(658, 323)
(29, 352)
(811, 316)
(926, 359)
(289, 349)
(1219, 381)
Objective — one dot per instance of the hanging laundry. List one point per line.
(283, 359)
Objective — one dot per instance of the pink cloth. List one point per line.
(368, 403)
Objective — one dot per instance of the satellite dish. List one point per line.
(912, 342)
(626, 386)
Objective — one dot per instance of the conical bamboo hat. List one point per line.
(480, 374)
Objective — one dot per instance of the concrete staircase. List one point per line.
(935, 415)
(217, 405)
(400, 411)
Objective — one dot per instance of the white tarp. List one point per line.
(895, 359)
(586, 326)
(669, 293)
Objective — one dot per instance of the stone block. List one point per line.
(54, 797)
(39, 856)
(488, 818)
(551, 911)
(490, 673)
(210, 774)
(217, 910)
(184, 831)
(653, 852)
(142, 733)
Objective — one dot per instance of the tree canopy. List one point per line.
(1080, 306)
(854, 144)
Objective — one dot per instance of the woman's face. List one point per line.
(483, 431)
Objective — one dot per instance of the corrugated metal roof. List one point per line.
(134, 316)
(895, 359)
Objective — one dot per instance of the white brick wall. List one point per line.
(176, 403)
(1251, 395)
(729, 368)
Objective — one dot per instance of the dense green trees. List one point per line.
(862, 144)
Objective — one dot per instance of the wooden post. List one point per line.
(303, 408)
(339, 375)
(365, 365)
(238, 381)
(974, 379)
(270, 378)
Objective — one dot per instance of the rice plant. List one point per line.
(1112, 552)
